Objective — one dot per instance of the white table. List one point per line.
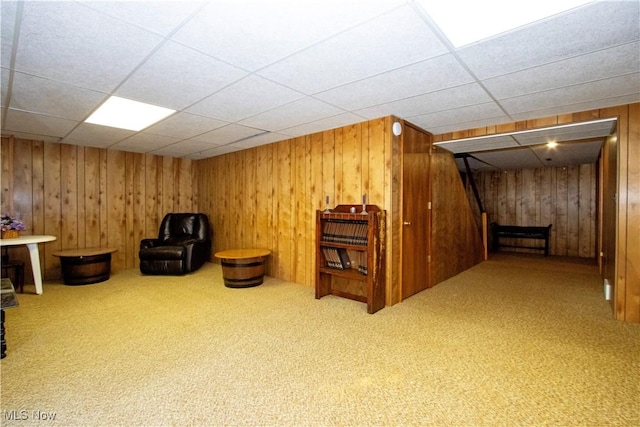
(32, 244)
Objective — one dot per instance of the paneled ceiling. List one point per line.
(554, 146)
(242, 74)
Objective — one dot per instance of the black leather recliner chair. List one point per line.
(182, 246)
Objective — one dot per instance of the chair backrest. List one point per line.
(181, 225)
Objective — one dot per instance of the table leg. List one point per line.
(3, 343)
(35, 266)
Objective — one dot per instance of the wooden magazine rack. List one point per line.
(350, 254)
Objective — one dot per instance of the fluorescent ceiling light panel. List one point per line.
(127, 114)
(465, 21)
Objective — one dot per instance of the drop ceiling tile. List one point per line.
(32, 136)
(227, 134)
(96, 135)
(185, 125)
(574, 33)
(143, 143)
(457, 115)
(164, 79)
(245, 98)
(70, 43)
(213, 152)
(475, 165)
(84, 143)
(472, 124)
(293, 114)
(569, 153)
(37, 124)
(388, 42)
(34, 94)
(570, 132)
(4, 83)
(616, 61)
(612, 87)
(112, 39)
(253, 34)
(521, 158)
(426, 76)
(482, 143)
(182, 149)
(160, 17)
(7, 26)
(324, 124)
(580, 106)
(447, 99)
(265, 138)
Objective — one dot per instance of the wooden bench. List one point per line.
(520, 232)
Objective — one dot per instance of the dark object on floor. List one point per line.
(183, 245)
(85, 266)
(520, 232)
(13, 265)
(9, 300)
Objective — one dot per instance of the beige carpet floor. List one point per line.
(514, 341)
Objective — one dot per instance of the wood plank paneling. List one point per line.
(136, 222)
(37, 197)
(151, 207)
(631, 223)
(456, 240)
(282, 220)
(164, 177)
(301, 221)
(316, 190)
(291, 179)
(614, 237)
(329, 167)
(52, 207)
(116, 216)
(393, 196)
(68, 237)
(88, 197)
(352, 164)
(23, 181)
(377, 144)
(264, 224)
(6, 179)
(564, 197)
(91, 198)
(249, 199)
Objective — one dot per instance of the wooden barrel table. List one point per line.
(243, 268)
(85, 266)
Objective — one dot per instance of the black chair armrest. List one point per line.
(149, 243)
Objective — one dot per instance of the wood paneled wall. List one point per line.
(91, 197)
(619, 214)
(96, 197)
(564, 197)
(267, 196)
(456, 233)
(621, 235)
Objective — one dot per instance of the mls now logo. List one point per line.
(16, 415)
(24, 415)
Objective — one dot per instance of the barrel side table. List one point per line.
(243, 268)
(85, 266)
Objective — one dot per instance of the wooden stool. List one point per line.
(18, 267)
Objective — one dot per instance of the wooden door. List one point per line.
(415, 211)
